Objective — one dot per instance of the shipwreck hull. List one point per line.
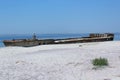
(35, 42)
(21, 43)
(84, 40)
(27, 43)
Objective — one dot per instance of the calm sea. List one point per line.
(46, 36)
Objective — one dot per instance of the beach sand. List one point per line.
(60, 62)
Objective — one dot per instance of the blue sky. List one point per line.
(59, 16)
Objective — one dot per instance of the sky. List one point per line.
(59, 16)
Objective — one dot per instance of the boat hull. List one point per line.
(36, 42)
(27, 43)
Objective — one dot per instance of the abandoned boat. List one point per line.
(34, 41)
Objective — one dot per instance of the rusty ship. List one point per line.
(93, 37)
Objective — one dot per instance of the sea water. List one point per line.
(46, 36)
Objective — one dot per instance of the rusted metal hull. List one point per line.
(27, 43)
(84, 40)
(35, 42)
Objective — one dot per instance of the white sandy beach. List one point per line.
(60, 62)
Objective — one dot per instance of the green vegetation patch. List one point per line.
(100, 62)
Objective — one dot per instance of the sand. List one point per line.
(60, 62)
